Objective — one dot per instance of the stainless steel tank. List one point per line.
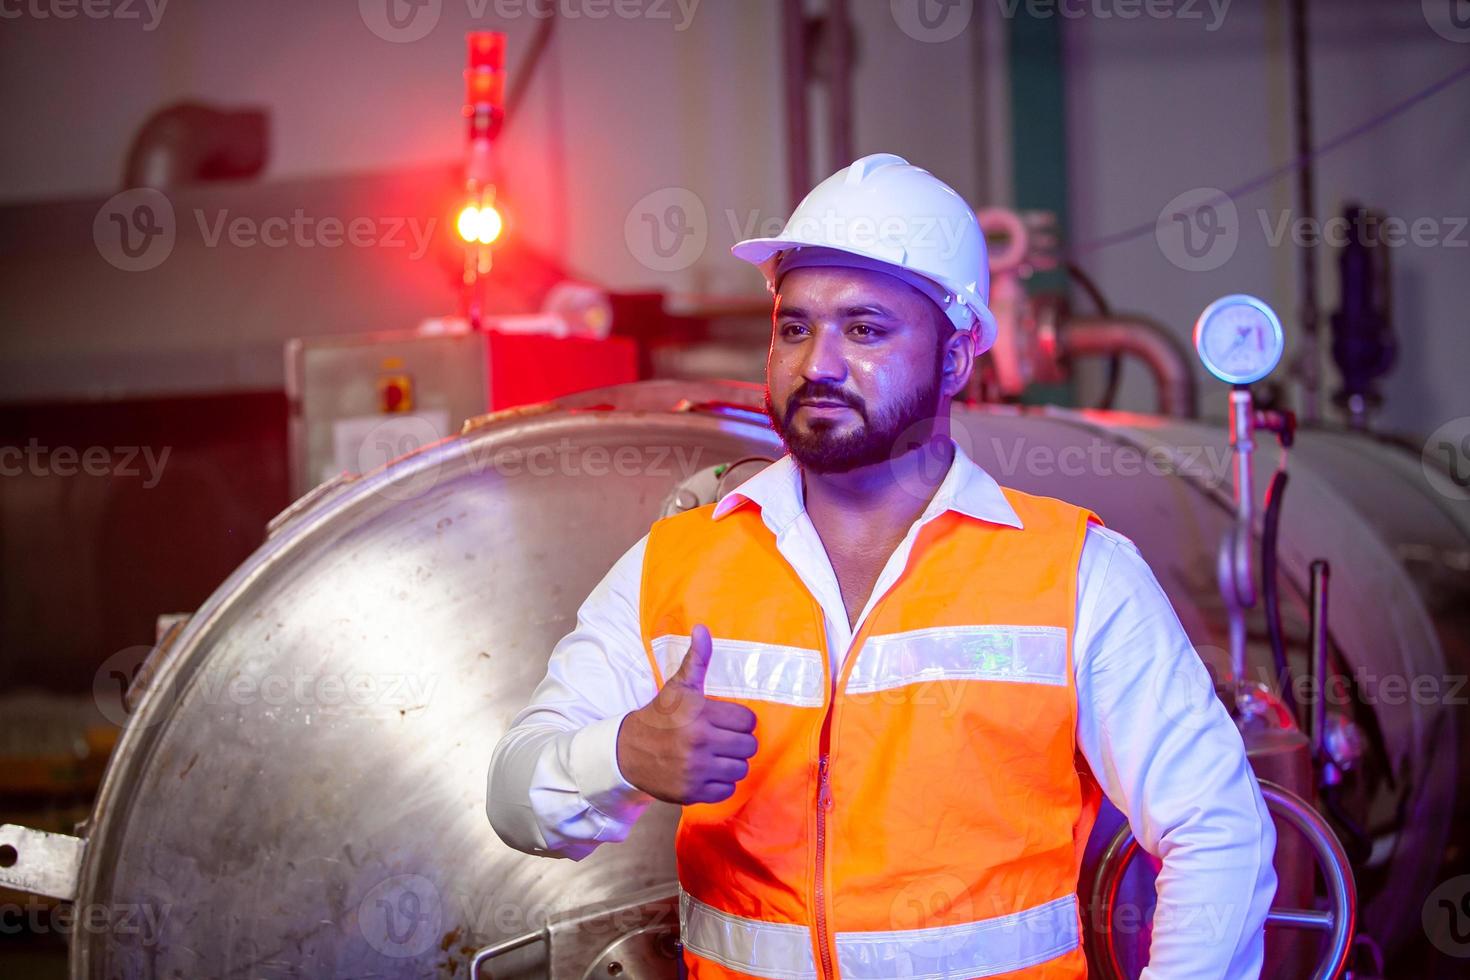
(299, 790)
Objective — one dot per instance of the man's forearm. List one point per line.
(554, 787)
(558, 793)
(1215, 888)
(1168, 755)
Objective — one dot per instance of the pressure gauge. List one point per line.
(1239, 338)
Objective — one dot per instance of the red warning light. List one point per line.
(484, 83)
(487, 49)
(484, 87)
(479, 224)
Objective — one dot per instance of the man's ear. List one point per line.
(959, 361)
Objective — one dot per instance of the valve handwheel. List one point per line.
(1337, 920)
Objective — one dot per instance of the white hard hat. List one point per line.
(881, 212)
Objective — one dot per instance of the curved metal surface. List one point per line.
(301, 790)
(1400, 610)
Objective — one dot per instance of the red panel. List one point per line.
(528, 368)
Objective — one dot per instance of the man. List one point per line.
(886, 689)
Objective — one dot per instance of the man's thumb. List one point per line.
(696, 661)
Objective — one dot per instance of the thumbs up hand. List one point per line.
(682, 747)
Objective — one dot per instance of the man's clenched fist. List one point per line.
(682, 747)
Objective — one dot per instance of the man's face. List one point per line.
(867, 344)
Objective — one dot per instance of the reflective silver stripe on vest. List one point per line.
(971, 949)
(765, 949)
(745, 669)
(1032, 654)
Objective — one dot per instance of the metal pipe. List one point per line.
(1317, 727)
(1237, 577)
(189, 143)
(839, 83)
(1309, 357)
(1158, 348)
(794, 57)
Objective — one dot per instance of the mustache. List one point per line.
(822, 393)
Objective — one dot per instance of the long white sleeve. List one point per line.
(554, 784)
(1165, 751)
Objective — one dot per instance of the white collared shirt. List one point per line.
(1160, 744)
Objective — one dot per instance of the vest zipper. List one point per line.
(824, 803)
(824, 787)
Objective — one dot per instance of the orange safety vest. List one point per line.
(921, 815)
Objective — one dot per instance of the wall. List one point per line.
(1158, 107)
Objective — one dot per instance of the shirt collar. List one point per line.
(966, 488)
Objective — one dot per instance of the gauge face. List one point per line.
(1239, 338)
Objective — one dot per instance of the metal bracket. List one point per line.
(634, 937)
(39, 862)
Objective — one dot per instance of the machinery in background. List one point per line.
(1363, 345)
(415, 587)
(359, 400)
(1240, 340)
(323, 721)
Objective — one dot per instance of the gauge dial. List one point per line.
(1239, 338)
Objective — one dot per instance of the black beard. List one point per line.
(818, 450)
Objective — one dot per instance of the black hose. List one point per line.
(1090, 288)
(1270, 594)
(1358, 845)
(1115, 361)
